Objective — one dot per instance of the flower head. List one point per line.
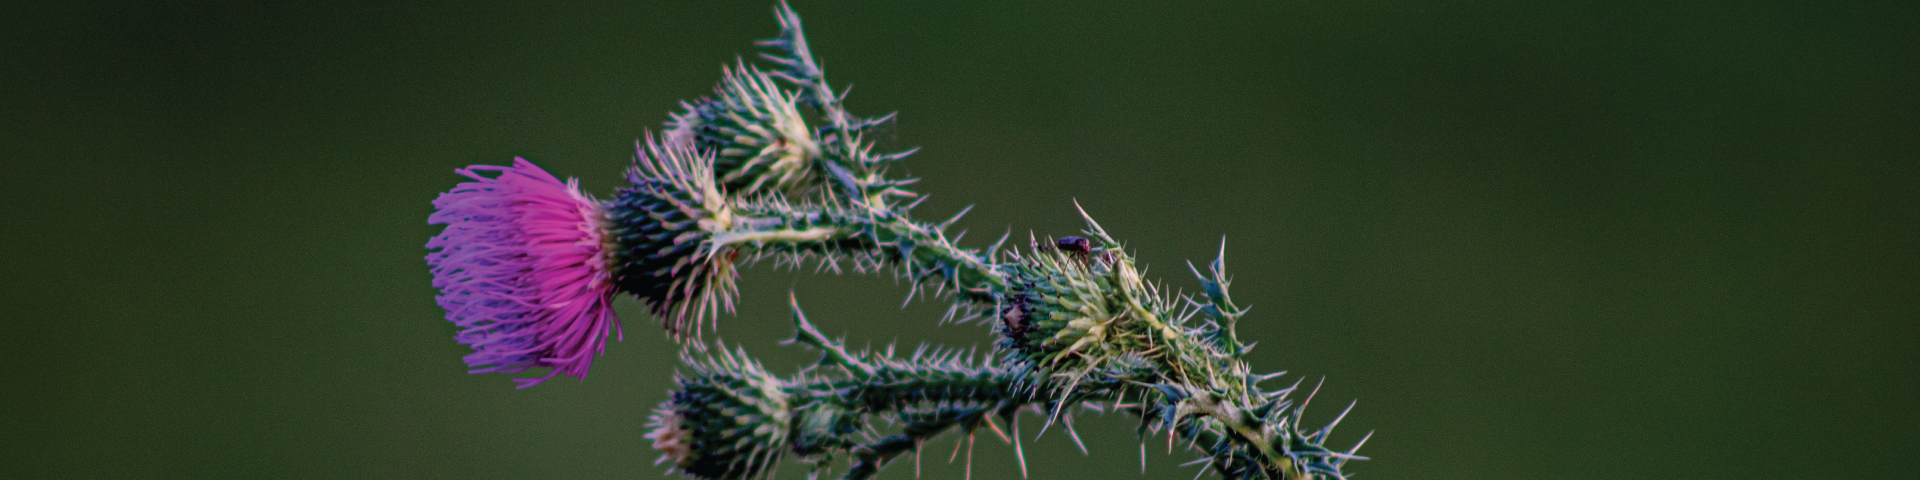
(525, 269)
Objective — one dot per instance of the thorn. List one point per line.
(956, 448)
(1068, 422)
(1363, 441)
(886, 118)
(917, 448)
(1324, 431)
(1285, 391)
(900, 155)
(1143, 456)
(996, 245)
(1316, 391)
(1220, 262)
(1017, 452)
(955, 218)
(996, 430)
(1089, 218)
(969, 456)
(916, 202)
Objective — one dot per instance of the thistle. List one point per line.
(773, 166)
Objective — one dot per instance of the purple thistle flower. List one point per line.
(525, 269)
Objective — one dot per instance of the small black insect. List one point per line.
(1074, 244)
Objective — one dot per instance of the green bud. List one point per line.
(663, 225)
(728, 419)
(762, 142)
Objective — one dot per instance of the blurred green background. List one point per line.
(1532, 239)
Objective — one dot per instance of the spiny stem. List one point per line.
(1076, 319)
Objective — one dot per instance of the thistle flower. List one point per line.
(525, 269)
(664, 225)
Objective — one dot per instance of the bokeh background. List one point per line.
(1532, 239)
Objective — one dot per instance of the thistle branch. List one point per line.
(772, 164)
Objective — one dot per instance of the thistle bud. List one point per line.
(729, 419)
(755, 129)
(1058, 308)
